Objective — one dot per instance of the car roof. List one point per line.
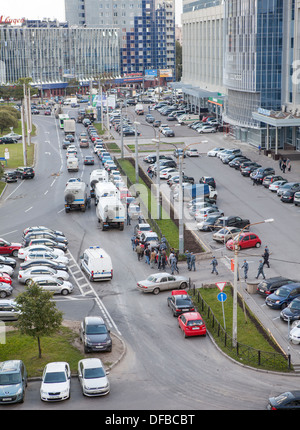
(192, 315)
(91, 362)
(56, 365)
(10, 366)
(94, 320)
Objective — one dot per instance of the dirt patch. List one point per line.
(109, 359)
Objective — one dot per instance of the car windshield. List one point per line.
(183, 302)
(282, 292)
(97, 372)
(10, 379)
(54, 377)
(96, 329)
(295, 305)
(152, 278)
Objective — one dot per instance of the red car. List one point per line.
(8, 248)
(192, 324)
(4, 277)
(245, 240)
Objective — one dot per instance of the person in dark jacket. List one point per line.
(266, 256)
(260, 269)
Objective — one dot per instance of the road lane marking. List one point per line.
(27, 210)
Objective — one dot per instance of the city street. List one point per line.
(161, 369)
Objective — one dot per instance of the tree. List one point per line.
(38, 314)
(7, 119)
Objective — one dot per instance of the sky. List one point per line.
(39, 9)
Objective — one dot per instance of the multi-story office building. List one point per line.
(49, 52)
(146, 29)
(247, 50)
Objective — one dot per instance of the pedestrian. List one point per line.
(259, 149)
(288, 165)
(147, 255)
(133, 238)
(152, 258)
(283, 166)
(245, 266)
(188, 259)
(192, 262)
(214, 264)
(164, 259)
(280, 163)
(266, 256)
(159, 260)
(172, 262)
(260, 269)
(128, 219)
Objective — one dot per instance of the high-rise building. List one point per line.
(146, 29)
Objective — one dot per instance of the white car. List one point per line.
(225, 234)
(214, 152)
(56, 382)
(274, 186)
(294, 335)
(206, 129)
(46, 255)
(150, 237)
(6, 269)
(134, 211)
(167, 173)
(92, 377)
(13, 135)
(25, 275)
(201, 214)
(52, 284)
(23, 252)
(193, 152)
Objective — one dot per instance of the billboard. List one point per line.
(165, 73)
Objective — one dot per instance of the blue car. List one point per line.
(13, 381)
(283, 296)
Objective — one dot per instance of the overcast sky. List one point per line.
(38, 9)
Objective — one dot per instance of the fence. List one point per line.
(243, 353)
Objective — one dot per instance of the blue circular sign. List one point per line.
(222, 297)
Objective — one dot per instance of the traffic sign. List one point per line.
(222, 297)
(221, 285)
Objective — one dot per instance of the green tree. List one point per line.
(178, 61)
(7, 119)
(39, 315)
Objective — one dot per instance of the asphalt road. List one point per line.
(161, 369)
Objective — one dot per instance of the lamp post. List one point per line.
(235, 243)
(136, 123)
(157, 141)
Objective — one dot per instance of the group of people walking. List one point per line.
(156, 256)
(262, 262)
(285, 163)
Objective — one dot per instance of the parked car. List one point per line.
(5, 290)
(247, 170)
(224, 234)
(6, 269)
(6, 140)
(43, 234)
(268, 180)
(95, 335)
(26, 275)
(203, 213)
(8, 311)
(8, 261)
(93, 377)
(285, 187)
(288, 195)
(13, 381)
(49, 243)
(192, 152)
(294, 334)
(52, 284)
(161, 282)
(235, 161)
(43, 262)
(259, 174)
(192, 324)
(56, 382)
(213, 152)
(207, 129)
(208, 223)
(297, 198)
(232, 221)
(208, 180)
(245, 240)
(180, 302)
(283, 296)
(39, 228)
(5, 278)
(13, 135)
(292, 311)
(48, 255)
(10, 176)
(270, 285)
(289, 400)
(24, 251)
(9, 248)
(274, 186)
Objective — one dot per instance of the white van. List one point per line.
(72, 164)
(96, 263)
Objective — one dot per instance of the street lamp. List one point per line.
(236, 249)
(136, 123)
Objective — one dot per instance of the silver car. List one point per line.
(162, 282)
(92, 377)
(8, 310)
(37, 255)
(26, 275)
(53, 285)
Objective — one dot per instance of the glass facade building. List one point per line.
(48, 52)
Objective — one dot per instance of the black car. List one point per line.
(180, 303)
(150, 118)
(208, 180)
(43, 234)
(188, 179)
(25, 172)
(209, 222)
(88, 159)
(232, 221)
(50, 243)
(286, 401)
(70, 137)
(247, 170)
(95, 335)
(237, 161)
(4, 140)
(152, 158)
(8, 261)
(157, 123)
(43, 262)
(268, 286)
(288, 195)
(261, 173)
(66, 144)
(10, 176)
